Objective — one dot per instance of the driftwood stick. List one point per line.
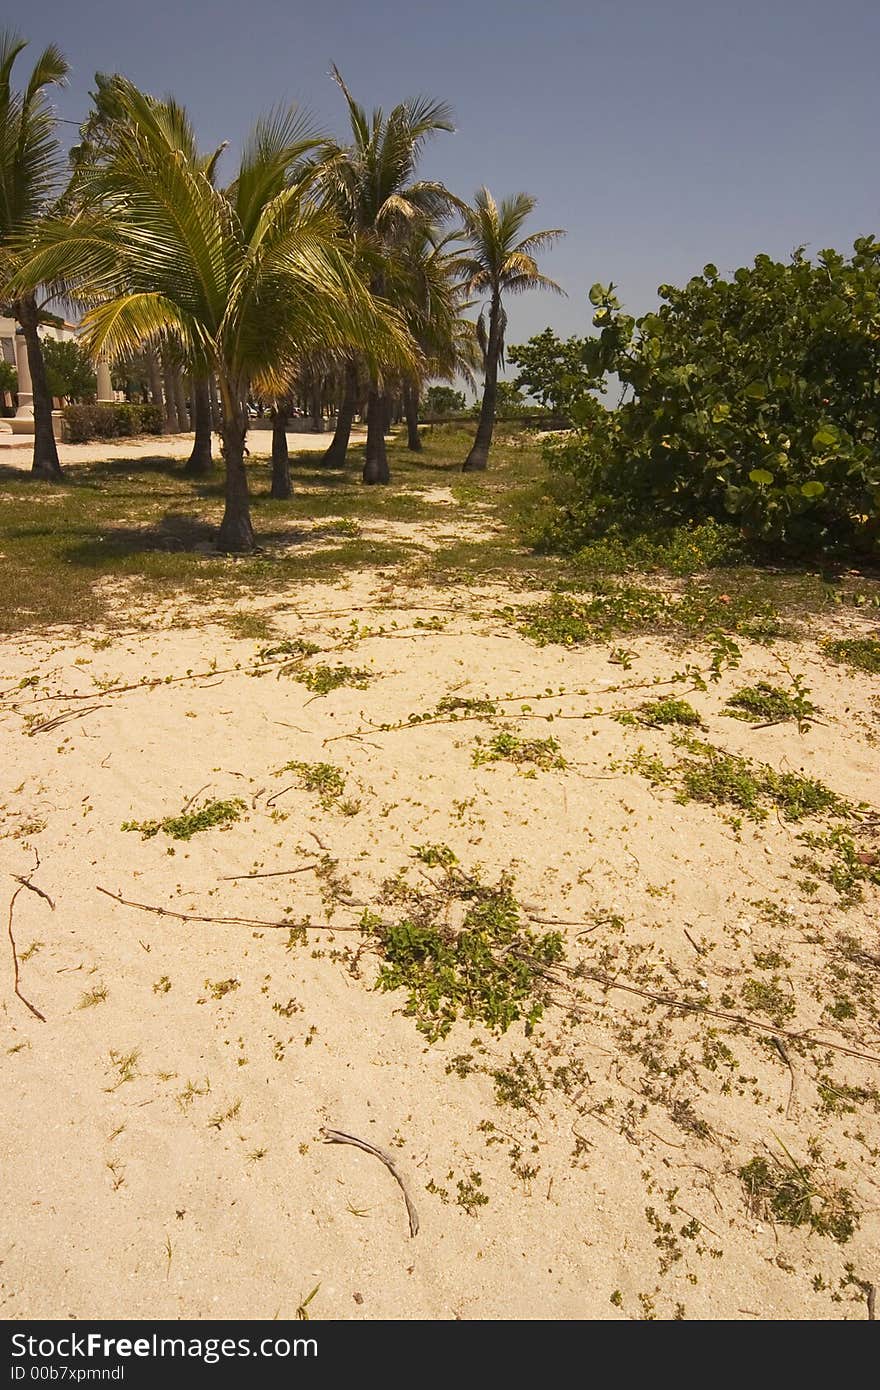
(15, 966)
(274, 873)
(223, 921)
(338, 1136)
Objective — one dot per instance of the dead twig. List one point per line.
(223, 921)
(275, 873)
(49, 724)
(783, 1052)
(24, 882)
(337, 1136)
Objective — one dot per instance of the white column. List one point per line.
(25, 409)
(105, 394)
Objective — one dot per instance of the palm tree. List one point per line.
(495, 263)
(98, 134)
(433, 304)
(372, 187)
(30, 168)
(244, 280)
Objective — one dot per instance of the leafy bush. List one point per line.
(751, 400)
(105, 421)
(69, 370)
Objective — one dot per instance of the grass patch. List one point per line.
(569, 620)
(189, 823)
(859, 653)
(717, 778)
(792, 1193)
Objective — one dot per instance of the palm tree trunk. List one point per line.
(215, 409)
(171, 423)
(180, 401)
(335, 455)
(282, 488)
(45, 464)
(376, 458)
(155, 379)
(411, 410)
(478, 457)
(200, 461)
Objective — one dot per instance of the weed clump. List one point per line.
(189, 823)
(505, 747)
(861, 653)
(489, 969)
(765, 703)
(324, 778)
(322, 679)
(784, 1190)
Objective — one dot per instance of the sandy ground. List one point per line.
(162, 1146)
(19, 454)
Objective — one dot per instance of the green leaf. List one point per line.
(755, 391)
(597, 293)
(761, 477)
(813, 489)
(826, 437)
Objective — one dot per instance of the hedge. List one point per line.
(85, 422)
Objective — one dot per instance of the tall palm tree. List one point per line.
(497, 261)
(244, 280)
(371, 184)
(30, 169)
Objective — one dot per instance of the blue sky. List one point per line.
(661, 135)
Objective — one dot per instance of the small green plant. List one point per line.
(218, 989)
(470, 1194)
(669, 711)
(861, 653)
(784, 1190)
(725, 779)
(189, 823)
(324, 778)
(435, 855)
(491, 969)
(505, 747)
(93, 996)
(322, 679)
(765, 703)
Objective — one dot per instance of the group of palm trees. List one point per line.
(321, 259)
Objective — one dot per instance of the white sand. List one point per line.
(124, 1200)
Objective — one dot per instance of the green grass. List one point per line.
(792, 1193)
(717, 778)
(140, 530)
(860, 653)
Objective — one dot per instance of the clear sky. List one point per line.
(661, 134)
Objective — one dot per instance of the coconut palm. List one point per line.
(99, 135)
(429, 289)
(244, 280)
(30, 170)
(371, 184)
(498, 261)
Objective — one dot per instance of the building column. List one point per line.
(105, 394)
(25, 409)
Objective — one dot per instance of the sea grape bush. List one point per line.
(754, 399)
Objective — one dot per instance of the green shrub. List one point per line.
(750, 400)
(111, 421)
